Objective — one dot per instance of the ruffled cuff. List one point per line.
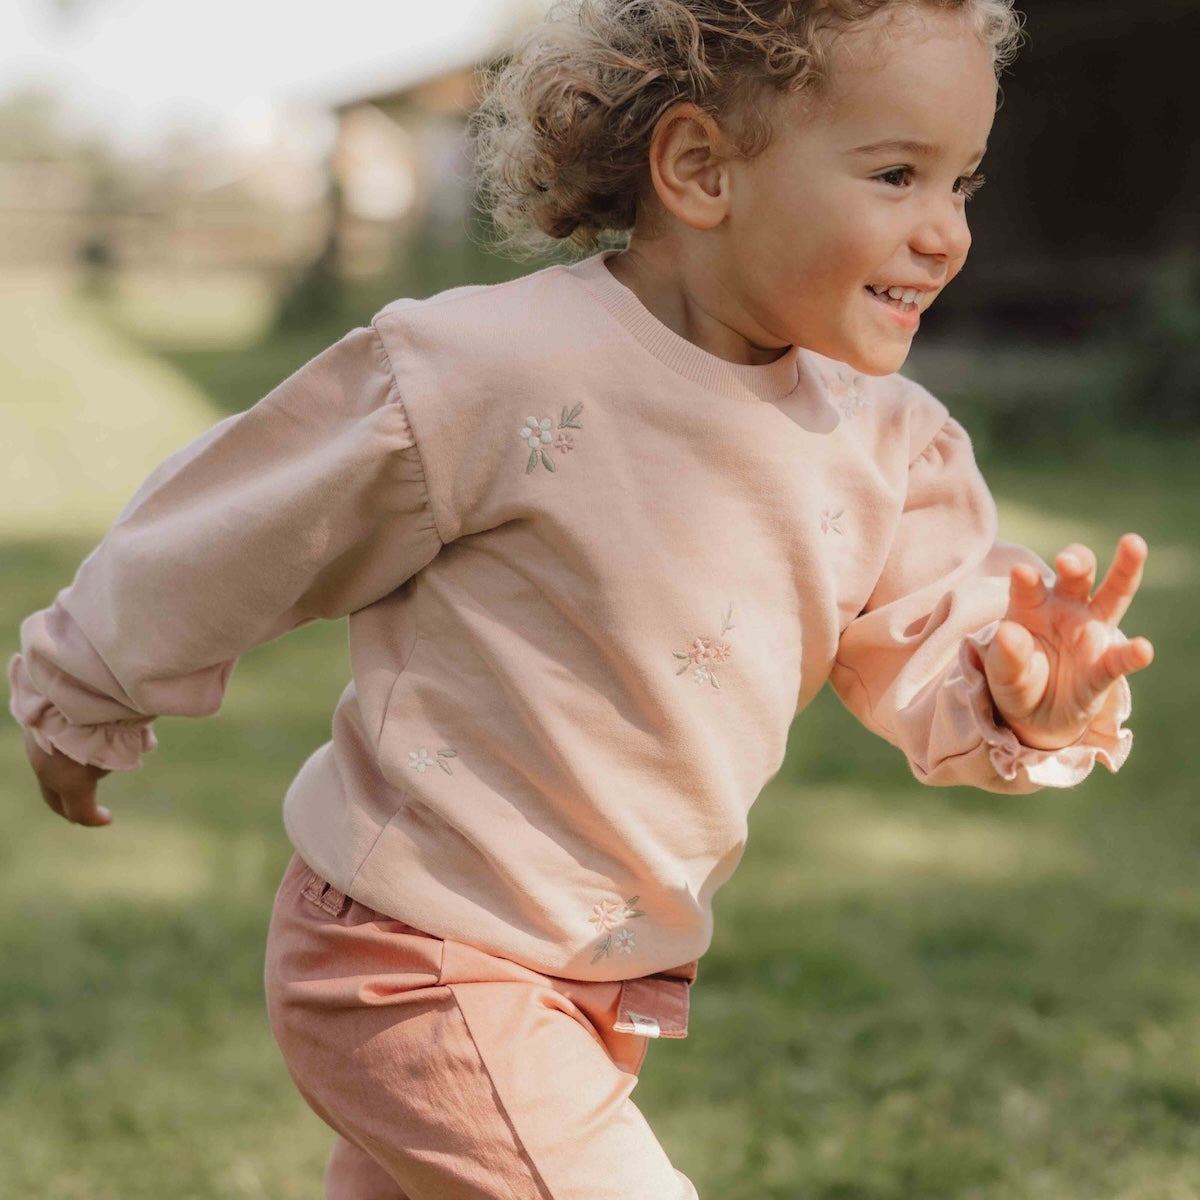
(1104, 739)
(117, 746)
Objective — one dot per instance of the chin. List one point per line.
(866, 356)
(876, 364)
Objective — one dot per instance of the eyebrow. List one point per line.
(907, 146)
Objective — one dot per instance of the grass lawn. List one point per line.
(913, 993)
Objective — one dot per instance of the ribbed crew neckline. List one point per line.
(768, 381)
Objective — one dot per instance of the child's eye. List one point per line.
(897, 174)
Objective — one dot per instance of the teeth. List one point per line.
(904, 295)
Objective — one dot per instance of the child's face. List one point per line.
(814, 221)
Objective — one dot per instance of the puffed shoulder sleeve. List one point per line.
(311, 504)
(910, 666)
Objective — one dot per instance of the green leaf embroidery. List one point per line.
(532, 462)
(604, 948)
(548, 462)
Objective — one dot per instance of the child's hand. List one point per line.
(68, 787)
(1052, 660)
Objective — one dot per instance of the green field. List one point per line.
(913, 993)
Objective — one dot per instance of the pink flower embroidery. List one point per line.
(563, 443)
(830, 519)
(706, 652)
(847, 390)
(606, 916)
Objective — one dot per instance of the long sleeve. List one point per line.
(311, 504)
(910, 666)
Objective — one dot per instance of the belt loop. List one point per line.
(323, 894)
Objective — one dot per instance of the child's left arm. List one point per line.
(972, 655)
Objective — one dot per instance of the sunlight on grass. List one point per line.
(132, 859)
(216, 309)
(885, 847)
(1168, 566)
(1043, 532)
(141, 1132)
(85, 416)
(848, 843)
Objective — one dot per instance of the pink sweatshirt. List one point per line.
(592, 573)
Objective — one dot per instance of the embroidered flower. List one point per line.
(706, 652)
(536, 435)
(847, 390)
(535, 431)
(830, 519)
(606, 916)
(420, 759)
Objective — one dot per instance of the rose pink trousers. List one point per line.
(450, 1074)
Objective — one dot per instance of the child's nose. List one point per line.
(943, 233)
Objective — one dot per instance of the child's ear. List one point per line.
(689, 165)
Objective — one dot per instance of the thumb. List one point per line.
(79, 804)
(1013, 673)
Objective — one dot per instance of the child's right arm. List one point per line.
(310, 504)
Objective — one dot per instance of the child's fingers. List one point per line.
(69, 788)
(1076, 567)
(1115, 594)
(1026, 589)
(1124, 659)
(52, 798)
(80, 808)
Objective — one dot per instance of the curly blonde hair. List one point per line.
(561, 136)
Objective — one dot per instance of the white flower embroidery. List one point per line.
(625, 942)
(536, 435)
(830, 519)
(420, 759)
(535, 432)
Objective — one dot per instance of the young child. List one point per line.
(601, 533)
